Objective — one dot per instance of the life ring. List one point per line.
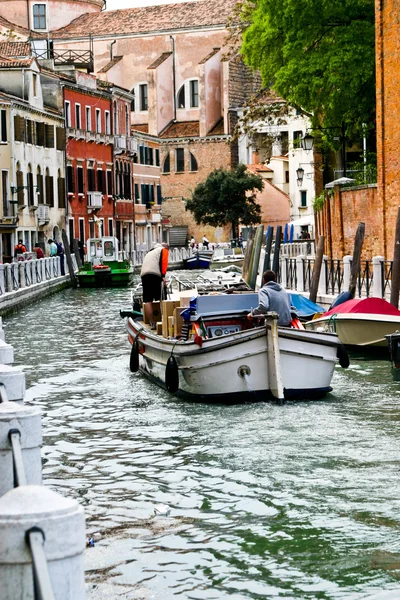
(134, 358)
(172, 375)
(343, 357)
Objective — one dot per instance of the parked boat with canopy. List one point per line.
(105, 266)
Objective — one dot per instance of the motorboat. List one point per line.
(105, 266)
(224, 257)
(219, 354)
(360, 323)
(305, 308)
(201, 259)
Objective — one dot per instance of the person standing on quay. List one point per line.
(153, 272)
(53, 248)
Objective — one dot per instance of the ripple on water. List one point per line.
(262, 501)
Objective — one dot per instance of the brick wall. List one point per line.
(210, 154)
(338, 221)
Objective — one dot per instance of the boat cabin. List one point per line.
(104, 249)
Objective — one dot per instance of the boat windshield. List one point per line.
(108, 248)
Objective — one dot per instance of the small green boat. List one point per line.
(104, 267)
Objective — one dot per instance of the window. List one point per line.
(40, 134)
(90, 180)
(29, 185)
(49, 186)
(157, 152)
(127, 120)
(29, 131)
(115, 112)
(82, 230)
(49, 136)
(137, 196)
(20, 184)
(34, 84)
(110, 227)
(40, 188)
(88, 119)
(81, 186)
(159, 197)
(297, 137)
(179, 160)
(19, 128)
(101, 181)
(60, 138)
(77, 116)
(3, 126)
(193, 163)
(70, 179)
(194, 93)
(39, 16)
(303, 198)
(108, 122)
(71, 231)
(109, 183)
(150, 157)
(287, 177)
(167, 165)
(141, 155)
(98, 120)
(67, 110)
(143, 96)
(133, 100)
(4, 192)
(181, 97)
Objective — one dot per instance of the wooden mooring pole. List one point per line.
(317, 269)
(69, 258)
(275, 262)
(268, 245)
(394, 292)
(355, 265)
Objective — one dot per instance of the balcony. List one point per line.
(43, 214)
(90, 136)
(119, 144)
(80, 134)
(95, 201)
(132, 145)
(100, 138)
(80, 59)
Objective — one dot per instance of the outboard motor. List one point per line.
(393, 341)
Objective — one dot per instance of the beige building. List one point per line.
(32, 159)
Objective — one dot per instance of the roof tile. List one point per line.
(144, 19)
(110, 64)
(160, 60)
(15, 49)
(182, 129)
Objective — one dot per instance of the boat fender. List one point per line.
(134, 359)
(343, 357)
(172, 375)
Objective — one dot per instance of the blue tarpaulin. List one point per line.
(305, 308)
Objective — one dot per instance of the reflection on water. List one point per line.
(208, 501)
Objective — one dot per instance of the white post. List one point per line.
(9, 283)
(274, 358)
(21, 274)
(33, 270)
(346, 271)
(300, 272)
(377, 262)
(14, 381)
(57, 560)
(2, 280)
(283, 271)
(322, 278)
(27, 421)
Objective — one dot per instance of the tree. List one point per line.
(227, 197)
(319, 55)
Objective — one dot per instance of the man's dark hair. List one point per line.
(269, 276)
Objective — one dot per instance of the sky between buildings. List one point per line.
(115, 4)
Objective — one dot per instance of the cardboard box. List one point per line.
(185, 297)
(170, 327)
(178, 321)
(168, 307)
(156, 306)
(159, 328)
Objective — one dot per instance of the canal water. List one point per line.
(203, 501)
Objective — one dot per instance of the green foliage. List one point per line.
(227, 197)
(364, 172)
(318, 55)
(318, 202)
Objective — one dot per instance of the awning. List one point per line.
(340, 181)
(307, 220)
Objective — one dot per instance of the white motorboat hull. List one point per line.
(358, 329)
(234, 366)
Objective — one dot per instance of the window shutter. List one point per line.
(19, 128)
(61, 192)
(39, 180)
(47, 186)
(49, 136)
(20, 183)
(3, 126)
(60, 138)
(40, 134)
(109, 183)
(70, 179)
(81, 187)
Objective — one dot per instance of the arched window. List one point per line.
(20, 185)
(181, 97)
(49, 186)
(39, 183)
(193, 163)
(60, 189)
(167, 164)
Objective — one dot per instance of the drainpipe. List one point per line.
(111, 49)
(27, 14)
(173, 73)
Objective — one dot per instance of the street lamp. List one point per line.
(300, 176)
(307, 143)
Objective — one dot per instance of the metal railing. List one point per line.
(386, 275)
(41, 578)
(334, 273)
(308, 266)
(365, 279)
(291, 273)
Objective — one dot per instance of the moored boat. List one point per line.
(227, 357)
(104, 267)
(360, 323)
(201, 259)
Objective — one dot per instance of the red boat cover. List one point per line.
(373, 306)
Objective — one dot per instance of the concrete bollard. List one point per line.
(63, 525)
(14, 381)
(6, 353)
(27, 421)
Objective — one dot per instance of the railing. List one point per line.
(120, 142)
(365, 279)
(308, 266)
(334, 273)
(79, 58)
(291, 273)
(176, 255)
(386, 276)
(25, 274)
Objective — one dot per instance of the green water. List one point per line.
(203, 501)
